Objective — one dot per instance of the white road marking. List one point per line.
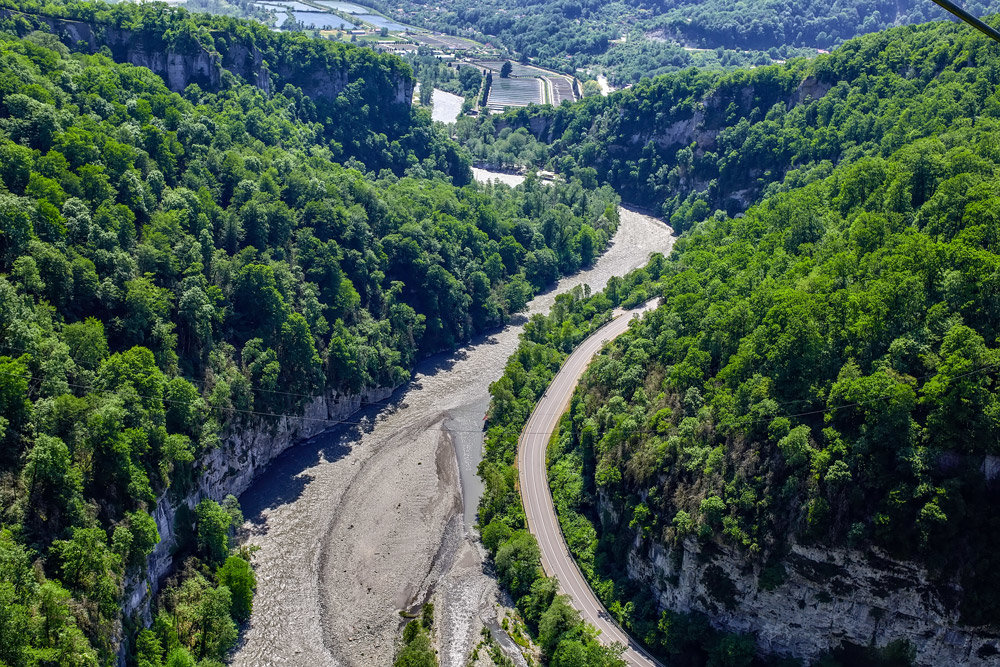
(538, 507)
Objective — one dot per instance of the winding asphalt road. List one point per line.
(533, 474)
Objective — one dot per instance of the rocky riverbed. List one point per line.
(488, 176)
(445, 107)
(373, 517)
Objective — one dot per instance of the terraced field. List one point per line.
(555, 87)
(442, 41)
(517, 69)
(562, 89)
(514, 93)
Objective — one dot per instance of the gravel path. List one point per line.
(606, 88)
(485, 176)
(367, 520)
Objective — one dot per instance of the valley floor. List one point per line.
(369, 519)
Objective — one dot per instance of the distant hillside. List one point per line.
(581, 34)
(766, 24)
(695, 142)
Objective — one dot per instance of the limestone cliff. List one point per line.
(825, 597)
(182, 62)
(143, 48)
(245, 451)
(702, 129)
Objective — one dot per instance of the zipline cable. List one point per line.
(976, 23)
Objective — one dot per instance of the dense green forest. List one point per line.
(173, 264)
(696, 142)
(823, 367)
(352, 92)
(580, 34)
(766, 24)
(822, 370)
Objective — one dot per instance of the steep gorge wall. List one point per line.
(697, 126)
(828, 597)
(143, 48)
(243, 453)
(194, 64)
(701, 126)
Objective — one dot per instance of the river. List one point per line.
(445, 107)
(372, 518)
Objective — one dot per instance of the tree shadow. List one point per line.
(445, 361)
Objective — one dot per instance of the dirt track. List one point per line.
(367, 520)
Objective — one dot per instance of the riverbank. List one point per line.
(373, 518)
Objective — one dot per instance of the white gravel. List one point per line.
(445, 107)
(367, 520)
(486, 176)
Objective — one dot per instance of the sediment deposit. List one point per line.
(369, 519)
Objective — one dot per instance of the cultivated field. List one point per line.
(562, 89)
(518, 69)
(442, 41)
(555, 87)
(514, 93)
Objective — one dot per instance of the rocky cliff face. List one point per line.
(141, 48)
(248, 62)
(245, 451)
(194, 64)
(700, 128)
(697, 127)
(827, 596)
(321, 84)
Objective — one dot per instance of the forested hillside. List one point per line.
(822, 371)
(578, 34)
(769, 24)
(696, 142)
(174, 265)
(365, 93)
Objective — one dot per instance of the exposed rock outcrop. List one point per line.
(811, 88)
(244, 452)
(825, 597)
(680, 136)
(143, 48)
(189, 62)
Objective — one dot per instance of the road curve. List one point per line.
(533, 475)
